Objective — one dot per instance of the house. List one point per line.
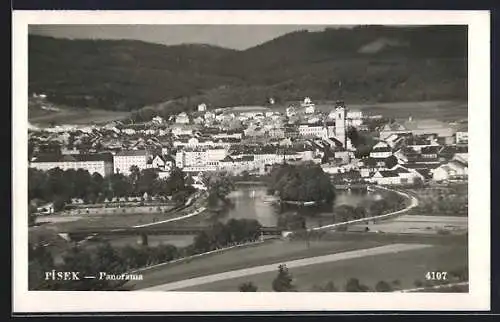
(381, 150)
(385, 177)
(354, 118)
(157, 120)
(202, 107)
(397, 175)
(182, 118)
(430, 152)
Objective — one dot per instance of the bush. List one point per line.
(247, 287)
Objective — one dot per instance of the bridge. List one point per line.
(81, 233)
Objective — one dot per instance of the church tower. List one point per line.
(340, 123)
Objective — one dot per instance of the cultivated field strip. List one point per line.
(387, 249)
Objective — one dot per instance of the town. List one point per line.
(350, 146)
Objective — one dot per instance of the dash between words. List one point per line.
(77, 276)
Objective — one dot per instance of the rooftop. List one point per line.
(133, 153)
(74, 158)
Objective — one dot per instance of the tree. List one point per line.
(344, 213)
(383, 286)
(391, 162)
(353, 285)
(31, 215)
(247, 287)
(328, 287)
(418, 283)
(283, 282)
(305, 182)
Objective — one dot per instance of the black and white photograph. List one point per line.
(206, 156)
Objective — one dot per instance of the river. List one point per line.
(248, 203)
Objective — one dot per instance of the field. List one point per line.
(106, 221)
(415, 224)
(451, 200)
(404, 267)
(270, 252)
(439, 110)
(74, 116)
(277, 251)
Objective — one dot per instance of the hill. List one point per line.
(373, 64)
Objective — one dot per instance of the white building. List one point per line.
(354, 118)
(313, 130)
(398, 175)
(451, 170)
(122, 161)
(182, 118)
(381, 150)
(199, 157)
(157, 120)
(202, 107)
(93, 163)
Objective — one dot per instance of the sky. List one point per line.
(229, 36)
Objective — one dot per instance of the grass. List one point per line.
(75, 116)
(439, 110)
(276, 251)
(404, 267)
(267, 253)
(113, 221)
(449, 200)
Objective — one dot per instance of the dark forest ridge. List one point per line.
(373, 63)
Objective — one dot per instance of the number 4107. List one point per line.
(436, 276)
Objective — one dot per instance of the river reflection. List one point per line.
(249, 202)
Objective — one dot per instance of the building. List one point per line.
(101, 163)
(202, 107)
(354, 118)
(462, 137)
(199, 158)
(391, 129)
(340, 123)
(398, 175)
(122, 161)
(308, 105)
(452, 170)
(313, 130)
(182, 118)
(290, 111)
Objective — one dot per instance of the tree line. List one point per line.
(284, 282)
(60, 186)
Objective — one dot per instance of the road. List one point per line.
(393, 248)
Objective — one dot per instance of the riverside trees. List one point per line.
(60, 186)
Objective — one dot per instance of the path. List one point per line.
(393, 248)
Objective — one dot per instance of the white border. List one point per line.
(479, 156)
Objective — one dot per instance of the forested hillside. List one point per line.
(372, 63)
